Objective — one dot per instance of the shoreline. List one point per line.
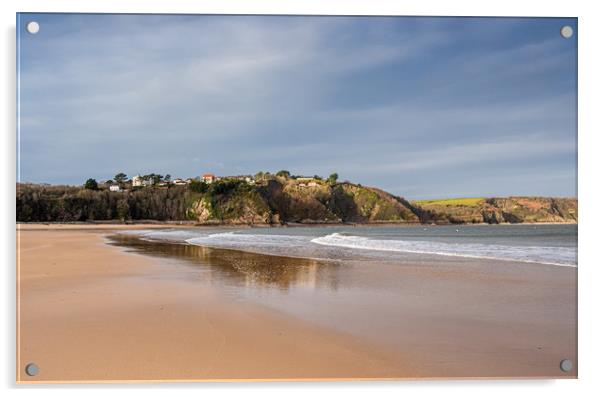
(76, 335)
(410, 253)
(447, 290)
(147, 313)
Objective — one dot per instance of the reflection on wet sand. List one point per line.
(242, 268)
(454, 316)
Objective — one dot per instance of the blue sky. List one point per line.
(421, 107)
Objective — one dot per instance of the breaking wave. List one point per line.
(337, 246)
(558, 256)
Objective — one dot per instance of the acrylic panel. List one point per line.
(240, 197)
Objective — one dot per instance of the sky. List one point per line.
(421, 107)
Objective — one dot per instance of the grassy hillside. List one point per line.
(498, 210)
(470, 201)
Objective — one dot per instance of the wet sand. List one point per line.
(132, 310)
(90, 312)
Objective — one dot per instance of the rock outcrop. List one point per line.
(500, 210)
(287, 200)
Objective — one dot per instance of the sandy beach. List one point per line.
(93, 311)
(89, 312)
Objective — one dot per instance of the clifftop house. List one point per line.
(137, 180)
(208, 178)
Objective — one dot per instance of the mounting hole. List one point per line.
(33, 27)
(566, 32)
(566, 365)
(32, 369)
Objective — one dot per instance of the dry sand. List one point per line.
(91, 312)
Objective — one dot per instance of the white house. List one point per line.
(114, 188)
(137, 180)
(140, 181)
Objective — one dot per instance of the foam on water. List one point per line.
(234, 240)
(172, 235)
(332, 246)
(558, 256)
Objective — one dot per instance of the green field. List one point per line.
(469, 201)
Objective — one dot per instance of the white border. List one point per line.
(590, 275)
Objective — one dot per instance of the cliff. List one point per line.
(239, 204)
(498, 210)
(277, 200)
(287, 200)
(273, 200)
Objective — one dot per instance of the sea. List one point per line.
(534, 244)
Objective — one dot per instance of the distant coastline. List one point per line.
(162, 224)
(268, 199)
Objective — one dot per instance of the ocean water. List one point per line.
(554, 245)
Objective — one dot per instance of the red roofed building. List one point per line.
(209, 178)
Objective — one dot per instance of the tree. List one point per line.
(153, 178)
(283, 173)
(156, 178)
(167, 178)
(224, 187)
(122, 209)
(332, 179)
(120, 178)
(198, 186)
(91, 184)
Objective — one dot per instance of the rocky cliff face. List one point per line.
(239, 204)
(354, 203)
(284, 200)
(500, 210)
(293, 201)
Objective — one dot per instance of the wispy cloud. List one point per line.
(377, 99)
